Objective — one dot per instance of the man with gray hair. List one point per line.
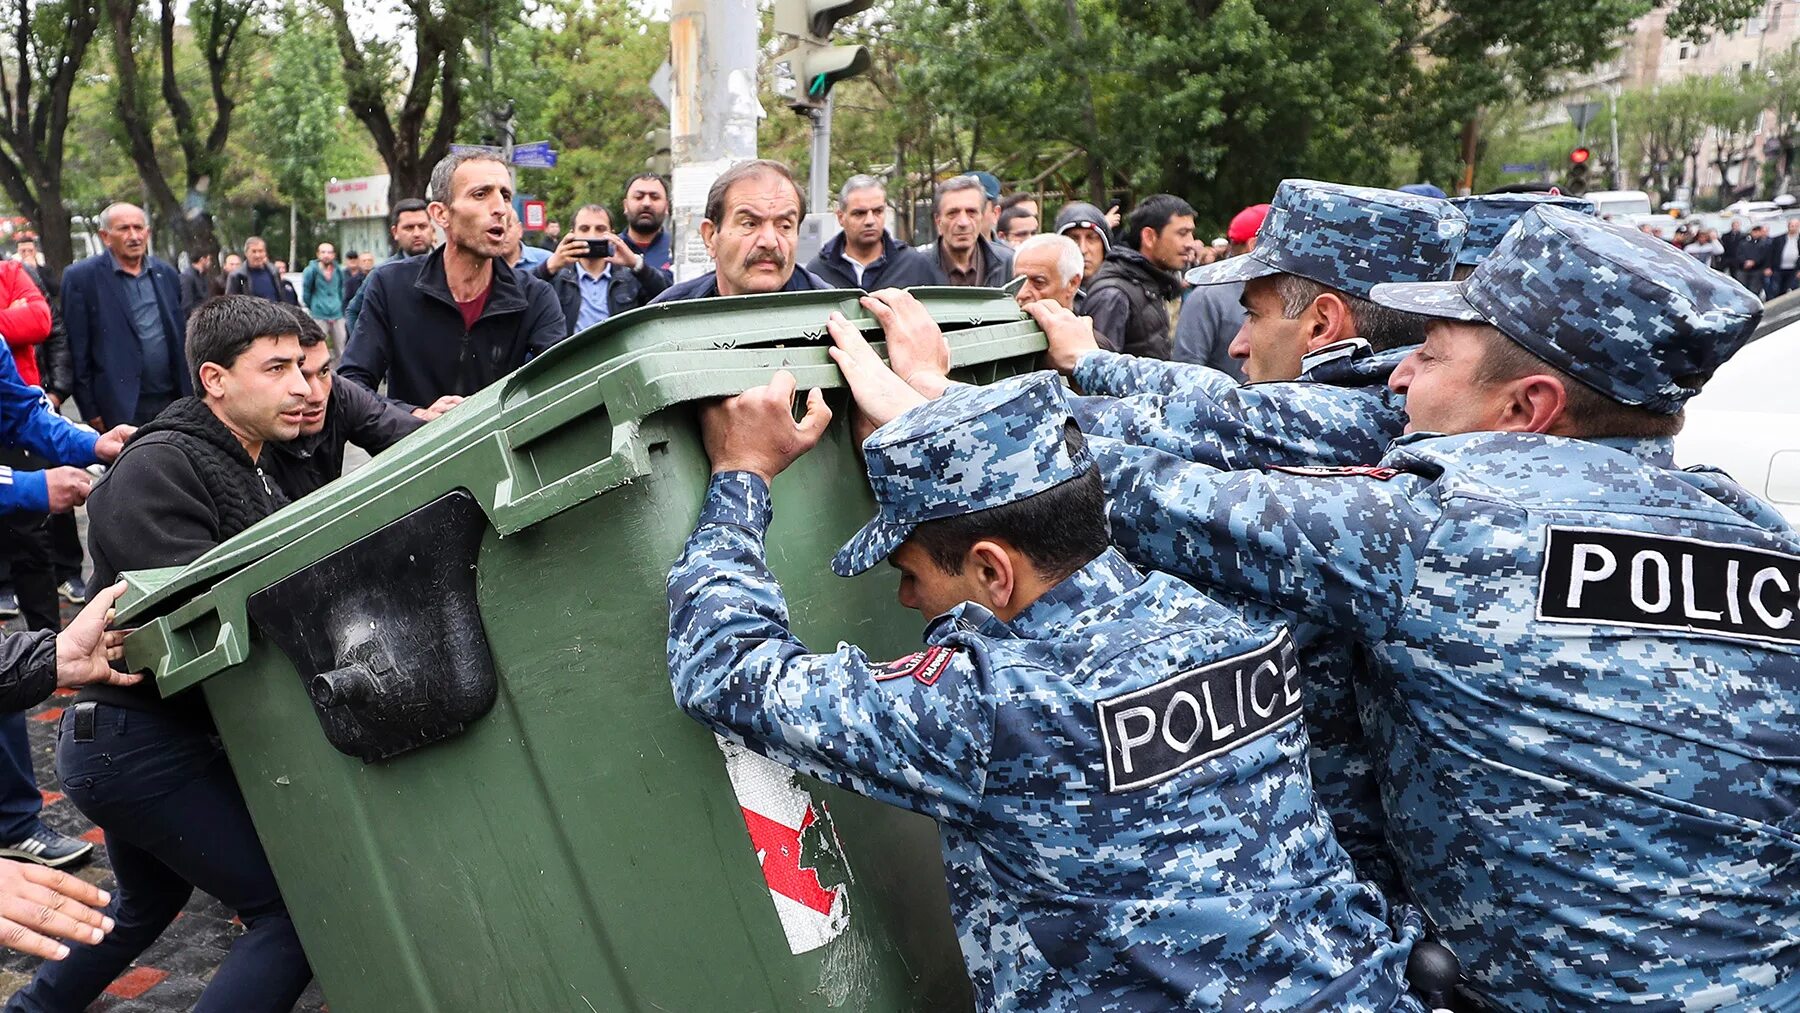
(752, 219)
(1051, 267)
(440, 327)
(863, 255)
(959, 211)
(122, 309)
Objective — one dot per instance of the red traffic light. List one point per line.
(1580, 156)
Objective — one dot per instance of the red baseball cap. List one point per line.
(1245, 223)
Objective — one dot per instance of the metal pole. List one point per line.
(713, 111)
(818, 196)
(1613, 97)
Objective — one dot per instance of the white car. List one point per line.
(1747, 421)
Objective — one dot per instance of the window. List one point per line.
(1684, 53)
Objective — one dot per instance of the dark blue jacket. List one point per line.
(899, 266)
(109, 359)
(658, 253)
(628, 291)
(411, 334)
(707, 286)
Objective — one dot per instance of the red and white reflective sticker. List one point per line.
(925, 666)
(778, 813)
(1367, 471)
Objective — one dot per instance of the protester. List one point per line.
(646, 206)
(1084, 224)
(150, 771)
(322, 293)
(1783, 262)
(455, 320)
(519, 255)
(227, 267)
(1051, 268)
(1212, 315)
(1025, 201)
(964, 255)
(1752, 263)
(596, 274)
(258, 277)
(753, 214)
(863, 255)
(413, 235)
(196, 287)
(1017, 224)
(1128, 297)
(1706, 248)
(122, 309)
(335, 414)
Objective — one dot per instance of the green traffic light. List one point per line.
(818, 85)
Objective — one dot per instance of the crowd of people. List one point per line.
(1236, 695)
(1762, 261)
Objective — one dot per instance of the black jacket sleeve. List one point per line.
(544, 323)
(651, 282)
(370, 422)
(366, 353)
(153, 509)
(1111, 312)
(27, 669)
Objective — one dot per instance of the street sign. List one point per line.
(534, 160)
(1522, 167)
(1581, 114)
(661, 82)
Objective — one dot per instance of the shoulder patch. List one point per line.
(1365, 470)
(924, 666)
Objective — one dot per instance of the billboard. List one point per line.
(362, 197)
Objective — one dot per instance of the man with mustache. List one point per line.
(149, 771)
(753, 214)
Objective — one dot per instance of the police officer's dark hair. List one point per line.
(1383, 327)
(1060, 529)
(1590, 413)
(310, 332)
(715, 198)
(224, 326)
(403, 206)
(1154, 213)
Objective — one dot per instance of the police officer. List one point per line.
(1110, 843)
(1585, 663)
(1492, 215)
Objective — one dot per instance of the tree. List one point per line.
(1666, 127)
(1784, 100)
(410, 139)
(1735, 112)
(49, 49)
(219, 27)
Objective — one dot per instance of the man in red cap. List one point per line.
(1211, 314)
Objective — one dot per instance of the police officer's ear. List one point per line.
(1537, 403)
(996, 570)
(1328, 321)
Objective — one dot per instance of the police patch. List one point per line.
(1154, 733)
(925, 666)
(1664, 582)
(1368, 471)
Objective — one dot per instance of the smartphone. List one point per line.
(598, 248)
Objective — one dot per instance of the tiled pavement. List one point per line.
(171, 974)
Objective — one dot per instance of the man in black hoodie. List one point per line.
(1128, 297)
(336, 414)
(863, 255)
(149, 771)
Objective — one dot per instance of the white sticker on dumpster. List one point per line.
(794, 843)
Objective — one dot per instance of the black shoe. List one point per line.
(73, 591)
(47, 847)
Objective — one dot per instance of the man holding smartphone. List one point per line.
(596, 274)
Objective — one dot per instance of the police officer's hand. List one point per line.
(756, 431)
(39, 906)
(1070, 336)
(111, 442)
(85, 648)
(879, 392)
(915, 343)
(68, 488)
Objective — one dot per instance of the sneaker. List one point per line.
(73, 591)
(9, 605)
(47, 847)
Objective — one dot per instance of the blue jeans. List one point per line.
(20, 801)
(174, 820)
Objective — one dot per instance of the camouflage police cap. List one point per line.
(1350, 238)
(1625, 313)
(1491, 214)
(972, 449)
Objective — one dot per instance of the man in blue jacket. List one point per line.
(863, 255)
(753, 215)
(122, 310)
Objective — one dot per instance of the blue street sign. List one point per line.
(539, 149)
(534, 159)
(1522, 167)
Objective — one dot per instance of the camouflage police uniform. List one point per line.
(1348, 238)
(1585, 663)
(1109, 844)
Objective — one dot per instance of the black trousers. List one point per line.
(28, 551)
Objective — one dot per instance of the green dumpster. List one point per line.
(443, 686)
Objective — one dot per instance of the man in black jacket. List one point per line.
(863, 255)
(258, 277)
(753, 214)
(336, 414)
(458, 318)
(195, 286)
(149, 771)
(592, 289)
(964, 255)
(1128, 297)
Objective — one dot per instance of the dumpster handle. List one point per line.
(161, 645)
(629, 459)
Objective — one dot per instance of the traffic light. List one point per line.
(1578, 170)
(815, 63)
(659, 161)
